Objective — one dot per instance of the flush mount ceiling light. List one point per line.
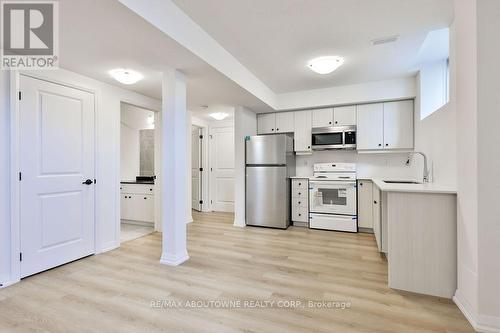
(218, 115)
(325, 65)
(126, 76)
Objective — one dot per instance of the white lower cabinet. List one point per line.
(300, 201)
(365, 204)
(137, 202)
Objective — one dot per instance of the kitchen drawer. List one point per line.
(147, 189)
(301, 183)
(300, 214)
(299, 202)
(300, 193)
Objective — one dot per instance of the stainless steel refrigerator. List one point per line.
(270, 162)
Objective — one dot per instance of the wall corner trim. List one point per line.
(484, 324)
(240, 223)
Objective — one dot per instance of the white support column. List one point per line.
(174, 168)
(245, 123)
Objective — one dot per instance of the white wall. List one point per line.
(377, 165)
(478, 116)
(349, 94)
(488, 71)
(132, 120)
(466, 108)
(436, 134)
(5, 176)
(129, 152)
(245, 123)
(433, 87)
(109, 99)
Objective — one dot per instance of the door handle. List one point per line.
(88, 182)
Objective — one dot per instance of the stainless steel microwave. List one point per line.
(340, 137)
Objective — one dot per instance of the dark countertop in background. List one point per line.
(145, 182)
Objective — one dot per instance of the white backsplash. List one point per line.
(390, 165)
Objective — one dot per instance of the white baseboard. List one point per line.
(172, 260)
(7, 283)
(109, 246)
(480, 323)
(239, 223)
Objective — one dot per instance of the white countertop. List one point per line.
(419, 188)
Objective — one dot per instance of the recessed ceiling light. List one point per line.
(218, 115)
(126, 76)
(325, 65)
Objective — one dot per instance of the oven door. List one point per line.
(332, 197)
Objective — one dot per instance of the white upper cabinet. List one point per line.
(303, 132)
(344, 115)
(398, 125)
(266, 123)
(284, 122)
(385, 126)
(322, 117)
(370, 126)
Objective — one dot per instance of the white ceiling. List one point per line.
(275, 38)
(97, 36)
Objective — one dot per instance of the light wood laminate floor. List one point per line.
(112, 292)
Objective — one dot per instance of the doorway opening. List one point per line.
(137, 172)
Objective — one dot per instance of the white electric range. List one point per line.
(333, 197)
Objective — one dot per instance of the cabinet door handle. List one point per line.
(145, 198)
(375, 202)
(277, 129)
(299, 202)
(330, 122)
(300, 214)
(386, 144)
(336, 122)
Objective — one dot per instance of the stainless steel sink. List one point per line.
(401, 182)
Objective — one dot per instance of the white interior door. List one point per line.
(222, 169)
(196, 167)
(56, 158)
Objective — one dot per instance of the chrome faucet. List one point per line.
(426, 170)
